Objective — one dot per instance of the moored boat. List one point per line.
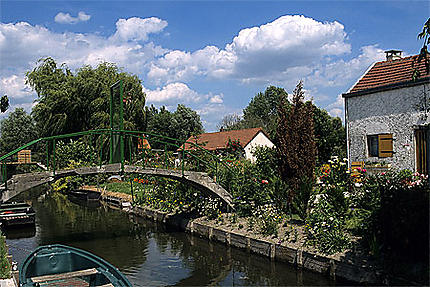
(60, 265)
(16, 213)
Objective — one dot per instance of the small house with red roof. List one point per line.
(248, 139)
(387, 113)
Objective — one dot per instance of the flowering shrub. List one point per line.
(326, 226)
(211, 208)
(246, 185)
(164, 194)
(268, 218)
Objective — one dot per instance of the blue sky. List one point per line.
(213, 56)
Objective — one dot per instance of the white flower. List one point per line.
(358, 184)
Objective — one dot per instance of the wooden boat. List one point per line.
(85, 194)
(16, 213)
(60, 265)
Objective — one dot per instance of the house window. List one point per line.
(380, 145)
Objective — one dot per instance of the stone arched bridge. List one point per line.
(199, 180)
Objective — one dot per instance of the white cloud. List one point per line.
(137, 29)
(217, 99)
(178, 92)
(66, 18)
(336, 73)
(22, 44)
(269, 51)
(14, 86)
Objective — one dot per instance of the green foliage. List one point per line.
(425, 33)
(16, 130)
(302, 194)
(159, 193)
(230, 122)
(397, 218)
(180, 124)
(68, 183)
(326, 226)
(262, 110)
(296, 144)
(4, 104)
(234, 149)
(211, 208)
(330, 135)
(5, 267)
(329, 206)
(247, 186)
(268, 219)
(75, 153)
(69, 102)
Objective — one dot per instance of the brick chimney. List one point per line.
(393, 55)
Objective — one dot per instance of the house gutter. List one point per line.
(399, 85)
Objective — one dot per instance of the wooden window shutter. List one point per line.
(385, 143)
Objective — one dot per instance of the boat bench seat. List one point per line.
(67, 275)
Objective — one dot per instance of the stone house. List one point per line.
(249, 139)
(387, 113)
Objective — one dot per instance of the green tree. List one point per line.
(187, 122)
(229, 122)
(16, 130)
(330, 135)
(425, 34)
(262, 110)
(69, 102)
(180, 124)
(296, 147)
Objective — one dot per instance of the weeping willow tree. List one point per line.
(69, 102)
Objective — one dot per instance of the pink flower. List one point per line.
(264, 181)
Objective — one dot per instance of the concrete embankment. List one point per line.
(344, 266)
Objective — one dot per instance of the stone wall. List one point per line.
(397, 112)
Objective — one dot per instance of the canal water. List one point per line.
(149, 254)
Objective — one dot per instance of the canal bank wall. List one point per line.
(345, 267)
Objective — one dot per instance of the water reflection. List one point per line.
(148, 253)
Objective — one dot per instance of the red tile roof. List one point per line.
(219, 140)
(392, 72)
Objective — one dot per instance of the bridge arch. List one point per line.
(199, 180)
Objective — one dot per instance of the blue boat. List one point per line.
(60, 265)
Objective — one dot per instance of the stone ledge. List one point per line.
(297, 257)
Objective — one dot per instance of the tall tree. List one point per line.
(330, 135)
(180, 124)
(69, 102)
(187, 122)
(16, 130)
(296, 145)
(262, 110)
(229, 122)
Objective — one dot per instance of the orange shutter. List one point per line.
(385, 143)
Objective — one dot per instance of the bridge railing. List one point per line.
(157, 152)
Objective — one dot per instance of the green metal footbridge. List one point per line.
(196, 167)
(117, 151)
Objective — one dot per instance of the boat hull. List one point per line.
(60, 264)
